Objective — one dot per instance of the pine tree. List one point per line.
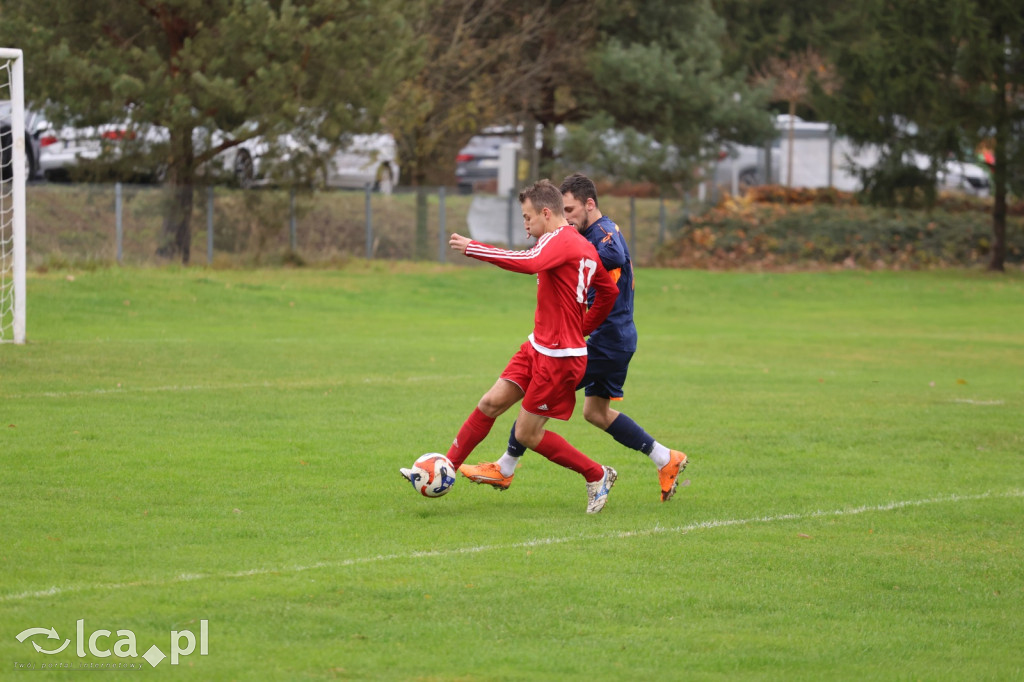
(658, 69)
(937, 77)
(241, 67)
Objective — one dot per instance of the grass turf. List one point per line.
(187, 445)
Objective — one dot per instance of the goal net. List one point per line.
(12, 197)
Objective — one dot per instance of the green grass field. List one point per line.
(182, 446)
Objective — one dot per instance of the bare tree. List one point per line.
(485, 62)
(792, 80)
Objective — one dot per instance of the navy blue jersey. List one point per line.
(617, 334)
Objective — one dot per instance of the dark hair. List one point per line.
(581, 187)
(543, 194)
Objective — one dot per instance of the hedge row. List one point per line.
(778, 228)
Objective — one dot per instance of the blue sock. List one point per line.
(628, 432)
(515, 448)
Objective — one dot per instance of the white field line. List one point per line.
(312, 383)
(537, 542)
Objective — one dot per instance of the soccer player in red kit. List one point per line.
(545, 371)
(609, 350)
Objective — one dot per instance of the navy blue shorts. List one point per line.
(605, 375)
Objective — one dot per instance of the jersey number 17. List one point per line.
(587, 270)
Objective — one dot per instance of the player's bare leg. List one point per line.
(499, 397)
(598, 411)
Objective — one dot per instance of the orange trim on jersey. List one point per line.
(616, 274)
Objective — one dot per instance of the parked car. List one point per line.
(966, 177)
(609, 154)
(34, 125)
(354, 162)
(131, 152)
(822, 158)
(120, 151)
(477, 163)
(955, 176)
(746, 166)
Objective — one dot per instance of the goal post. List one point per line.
(12, 199)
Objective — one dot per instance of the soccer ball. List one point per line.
(432, 475)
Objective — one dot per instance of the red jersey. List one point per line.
(566, 265)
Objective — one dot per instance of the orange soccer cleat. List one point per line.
(486, 472)
(668, 475)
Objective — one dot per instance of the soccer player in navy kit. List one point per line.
(547, 368)
(609, 350)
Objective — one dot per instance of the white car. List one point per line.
(969, 178)
(957, 176)
(355, 162)
(64, 150)
(821, 158)
(61, 150)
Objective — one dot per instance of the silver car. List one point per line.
(354, 162)
(477, 163)
(741, 166)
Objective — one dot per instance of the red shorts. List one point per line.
(549, 383)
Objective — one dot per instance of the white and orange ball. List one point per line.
(432, 475)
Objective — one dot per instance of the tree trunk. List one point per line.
(177, 231)
(528, 154)
(1002, 120)
(998, 261)
(176, 238)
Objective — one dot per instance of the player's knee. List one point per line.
(493, 406)
(487, 407)
(529, 437)
(499, 398)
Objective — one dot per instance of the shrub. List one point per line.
(777, 227)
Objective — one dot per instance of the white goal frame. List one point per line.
(16, 194)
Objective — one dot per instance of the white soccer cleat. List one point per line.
(597, 492)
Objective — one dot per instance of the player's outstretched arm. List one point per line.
(459, 243)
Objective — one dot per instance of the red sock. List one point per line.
(474, 430)
(560, 451)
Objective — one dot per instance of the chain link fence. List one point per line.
(75, 225)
